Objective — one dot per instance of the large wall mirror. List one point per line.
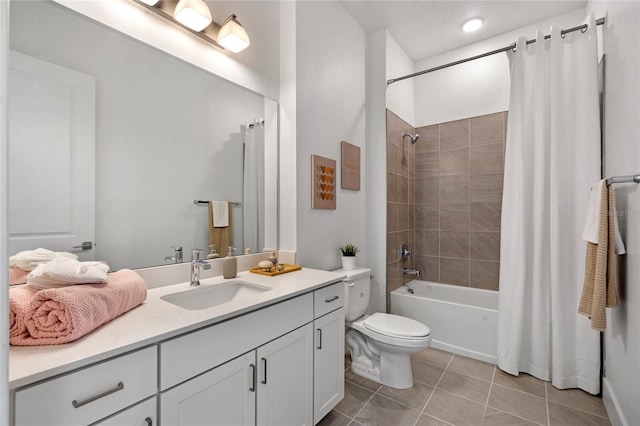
(152, 133)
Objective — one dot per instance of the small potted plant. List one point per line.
(349, 252)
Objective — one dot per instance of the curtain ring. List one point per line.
(514, 48)
(584, 28)
(562, 34)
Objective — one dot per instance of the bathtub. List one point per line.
(462, 320)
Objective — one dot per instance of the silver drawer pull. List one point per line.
(253, 378)
(319, 339)
(331, 299)
(149, 421)
(77, 404)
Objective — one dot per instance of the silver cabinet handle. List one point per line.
(331, 299)
(86, 245)
(264, 381)
(149, 421)
(319, 339)
(77, 404)
(253, 381)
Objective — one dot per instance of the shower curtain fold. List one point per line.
(552, 157)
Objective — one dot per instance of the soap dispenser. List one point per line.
(230, 264)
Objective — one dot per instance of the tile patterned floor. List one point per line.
(454, 390)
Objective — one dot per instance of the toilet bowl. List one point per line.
(380, 344)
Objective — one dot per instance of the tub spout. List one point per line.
(408, 271)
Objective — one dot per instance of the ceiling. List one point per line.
(427, 28)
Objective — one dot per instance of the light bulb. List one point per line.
(233, 36)
(194, 14)
(472, 25)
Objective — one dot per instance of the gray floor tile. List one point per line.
(472, 367)
(518, 403)
(425, 372)
(469, 387)
(495, 417)
(426, 420)
(416, 397)
(523, 382)
(334, 419)
(561, 415)
(435, 357)
(384, 411)
(454, 409)
(577, 398)
(361, 381)
(354, 399)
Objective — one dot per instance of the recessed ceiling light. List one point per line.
(472, 25)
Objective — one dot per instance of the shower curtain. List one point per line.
(253, 188)
(552, 158)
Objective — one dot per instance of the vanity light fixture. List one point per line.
(194, 14)
(233, 36)
(472, 25)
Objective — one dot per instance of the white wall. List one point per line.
(478, 87)
(400, 95)
(4, 257)
(330, 76)
(166, 133)
(621, 390)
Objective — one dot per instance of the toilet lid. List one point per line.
(396, 326)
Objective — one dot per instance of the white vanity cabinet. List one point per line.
(90, 394)
(328, 358)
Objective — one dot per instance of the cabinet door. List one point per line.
(222, 396)
(328, 363)
(143, 414)
(285, 379)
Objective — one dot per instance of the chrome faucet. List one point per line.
(408, 271)
(177, 256)
(404, 252)
(196, 264)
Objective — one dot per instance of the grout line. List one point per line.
(516, 416)
(366, 402)
(518, 390)
(486, 405)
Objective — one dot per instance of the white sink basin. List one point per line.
(207, 296)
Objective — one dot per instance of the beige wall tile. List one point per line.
(486, 188)
(405, 162)
(454, 271)
(412, 191)
(393, 185)
(484, 246)
(454, 189)
(454, 161)
(454, 217)
(427, 190)
(429, 139)
(484, 274)
(403, 189)
(393, 158)
(403, 217)
(429, 267)
(393, 242)
(454, 244)
(427, 216)
(427, 164)
(454, 134)
(486, 159)
(485, 216)
(487, 129)
(393, 217)
(427, 242)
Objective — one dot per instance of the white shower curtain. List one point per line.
(253, 192)
(552, 158)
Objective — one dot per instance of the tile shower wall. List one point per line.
(400, 199)
(458, 192)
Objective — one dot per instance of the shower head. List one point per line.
(413, 138)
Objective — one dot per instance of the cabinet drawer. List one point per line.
(89, 394)
(189, 355)
(328, 299)
(143, 414)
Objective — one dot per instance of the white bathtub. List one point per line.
(462, 320)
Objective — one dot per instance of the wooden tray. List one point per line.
(287, 268)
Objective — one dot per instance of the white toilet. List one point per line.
(380, 344)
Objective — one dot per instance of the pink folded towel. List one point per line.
(62, 315)
(17, 276)
(19, 300)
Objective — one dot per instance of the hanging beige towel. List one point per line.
(222, 237)
(601, 269)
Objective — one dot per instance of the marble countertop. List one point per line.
(154, 321)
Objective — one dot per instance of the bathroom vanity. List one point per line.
(270, 358)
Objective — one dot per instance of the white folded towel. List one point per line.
(591, 229)
(220, 214)
(61, 272)
(29, 259)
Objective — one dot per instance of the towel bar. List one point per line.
(204, 203)
(623, 179)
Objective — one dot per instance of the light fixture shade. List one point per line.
(150, 2)
(194, 14)
(233, 36)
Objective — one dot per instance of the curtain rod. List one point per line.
(512, 46)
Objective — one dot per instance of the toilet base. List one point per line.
(394, 370)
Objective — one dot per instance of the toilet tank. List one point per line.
(357, 291)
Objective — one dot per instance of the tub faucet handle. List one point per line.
(404, 252)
